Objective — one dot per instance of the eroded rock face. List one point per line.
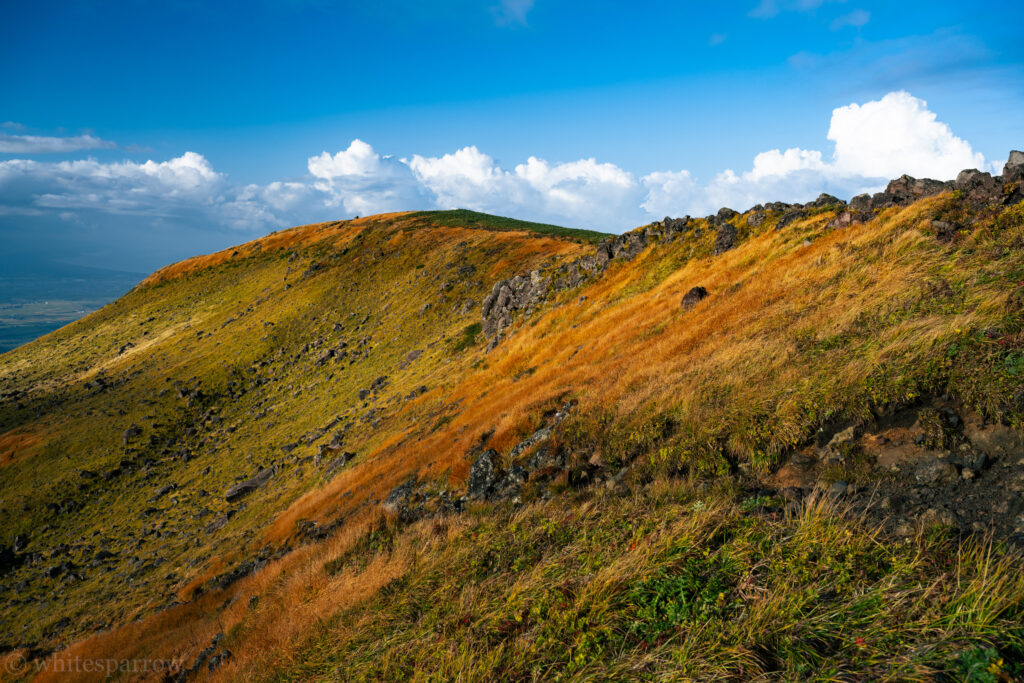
(674, 226)
(484, 475)
(507, 296)
(525, 292)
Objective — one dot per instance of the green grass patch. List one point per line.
(464, 218)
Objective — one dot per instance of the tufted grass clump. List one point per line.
(671, 582)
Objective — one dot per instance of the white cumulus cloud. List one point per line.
(898, 134)
(874, 142)
(358, 159)
(361, 181)
(871, 142)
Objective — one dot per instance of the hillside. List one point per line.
(781, 444)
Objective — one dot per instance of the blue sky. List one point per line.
(141, 132)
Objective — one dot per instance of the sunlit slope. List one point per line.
(122, 432)
(803, 328)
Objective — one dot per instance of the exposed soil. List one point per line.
(926, 466)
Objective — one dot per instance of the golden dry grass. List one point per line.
(20, 443)
(603, 351)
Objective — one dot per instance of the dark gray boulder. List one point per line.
(979, 187)
(907, 189)
(847, 218)
(244, 488)
(936, 473)
(825, 200)
(1016, 160)
(725, 238)
(693, 297)
(790, 217)
(861, 202)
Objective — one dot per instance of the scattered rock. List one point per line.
(693, 297)
(944, 231)
(538, 436)
(847, 218)
(133, 432)
(246, 487)
(979, 188)
(833, 451)
(9, 559)
(201, 659)
(725, 238)
(162, 491)
(397, 499)
(861, 203)
(933, 517)
(825, 200)
(790, 217)
(936, 473)
(756, 218)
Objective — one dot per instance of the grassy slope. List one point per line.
(804, 326)
(464, 218)
(224, 330)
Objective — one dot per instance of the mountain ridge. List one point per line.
(348, 401)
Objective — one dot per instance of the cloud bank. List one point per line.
(871, 142)
(34, 144)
